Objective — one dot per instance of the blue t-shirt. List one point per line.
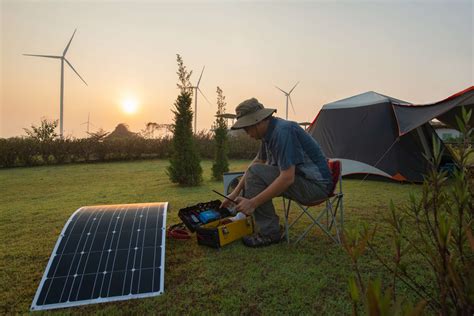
(286, 144)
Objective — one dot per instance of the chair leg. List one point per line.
(342, 213)
(316, 221)
(305, 232)
(328, 209)
(342, 200)
(286, 209)
(331, 209)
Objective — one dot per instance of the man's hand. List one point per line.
(245, 206)
(226, 203)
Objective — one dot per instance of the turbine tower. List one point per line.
(63, 59)
(196, 89)
(288, 97)
(88, 122)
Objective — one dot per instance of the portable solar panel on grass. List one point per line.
(106, 253)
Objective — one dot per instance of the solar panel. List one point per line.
(106, 253)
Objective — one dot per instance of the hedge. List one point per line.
(25, 151)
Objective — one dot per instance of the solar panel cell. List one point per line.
(106, 253)
(146, 281)
(85, 288)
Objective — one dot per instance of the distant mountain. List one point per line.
(122, 131)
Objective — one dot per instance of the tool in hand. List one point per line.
(225, 197)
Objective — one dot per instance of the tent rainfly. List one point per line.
(379, 135)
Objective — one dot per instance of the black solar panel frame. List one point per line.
(161, 206)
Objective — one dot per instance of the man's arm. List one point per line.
(239, 186)
(277, 187)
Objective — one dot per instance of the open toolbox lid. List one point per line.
(202, 213)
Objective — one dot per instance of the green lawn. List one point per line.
(308, 278)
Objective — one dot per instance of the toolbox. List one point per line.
(212, 224)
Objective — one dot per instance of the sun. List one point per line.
(130, 106)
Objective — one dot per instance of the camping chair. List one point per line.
(332, 204)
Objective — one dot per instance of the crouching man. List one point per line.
(289, 163)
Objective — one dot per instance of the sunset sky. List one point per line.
(417, 51)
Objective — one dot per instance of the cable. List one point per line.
(178, 231)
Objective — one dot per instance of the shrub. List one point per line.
(242, 146)
(83, 149)
(31, 151)
(61, 150)
(204, 144)
(9, 151)
(28, 150)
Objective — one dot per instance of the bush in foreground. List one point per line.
(437, 229)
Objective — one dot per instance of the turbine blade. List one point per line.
(67, 47)
(205, 97)
(197, 85)
(75, 70)
(281, 90)
(293, 87)
(46, 56)
(291, 102)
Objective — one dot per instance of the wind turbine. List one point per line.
(288, 97)
(88, 122)
(63, 59)
(196, 88)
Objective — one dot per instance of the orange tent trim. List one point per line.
(399, 177)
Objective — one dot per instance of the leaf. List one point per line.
(460, 124)
(353, 289)
(466, 114)
(445, 228)
(372, 296)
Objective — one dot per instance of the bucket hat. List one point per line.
(250, 112)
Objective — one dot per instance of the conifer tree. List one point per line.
(221, 163)
(185, 168)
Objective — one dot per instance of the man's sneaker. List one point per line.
(258, 240)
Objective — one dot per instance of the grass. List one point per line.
(307, 278)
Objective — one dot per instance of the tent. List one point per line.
(379, 135)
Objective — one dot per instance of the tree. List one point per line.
(43, 133)
(185, 168)
(221, 162)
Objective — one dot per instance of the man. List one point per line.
(289, 163)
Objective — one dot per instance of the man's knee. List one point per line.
(254, 183)
(256, 170)
(251, 176)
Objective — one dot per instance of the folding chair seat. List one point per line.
(327, 219)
